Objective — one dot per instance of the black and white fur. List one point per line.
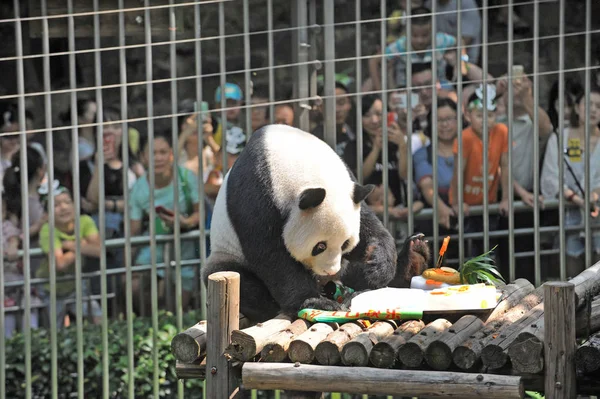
(287, 192)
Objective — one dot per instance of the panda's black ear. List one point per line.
(311, 198)
(361, 192)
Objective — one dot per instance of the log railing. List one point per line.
(285, 354)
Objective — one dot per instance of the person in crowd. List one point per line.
(447, 130)
(283, 114)
(576, 155)
(36, 173)
(372, 122)
(259, 108)
(13, 265)
(421, 51)
(235, 120)
(446, 21)
(86, 117)
(164, 218)
(523, 169)
(343, 108)
(65, 255)
(9, 140)
(472, 153)
(572, 89)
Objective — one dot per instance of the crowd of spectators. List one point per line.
(215, 131)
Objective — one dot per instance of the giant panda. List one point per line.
(290, 216)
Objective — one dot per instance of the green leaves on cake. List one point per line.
(480, 270)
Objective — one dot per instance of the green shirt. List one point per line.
(87, 228)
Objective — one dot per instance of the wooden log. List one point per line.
(526, 352)
(189, 371)
(587, 283)
(190, 345)
(494, 355)
(247, 343)
(587, 357)
(385, 352)
(559, 338)
(356, 353)
(438, 354)
(468, 354)
(588, 322)
(371, 381)
(412, 353)
(302, 348)
(512, 295)
(328, 352)
(223, 301)
(276, 349)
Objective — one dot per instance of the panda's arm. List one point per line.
(372, 263)
(292, 285)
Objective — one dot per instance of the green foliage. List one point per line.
(480, 270)
(92, 360)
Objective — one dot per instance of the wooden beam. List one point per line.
(587, 357)
(385, 352)
(223, 304)
(247, 343)
(190, 345)
(374, 381)
(559, 340)
(439, 353)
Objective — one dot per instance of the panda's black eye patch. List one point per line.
(345, 245)
(319, 248)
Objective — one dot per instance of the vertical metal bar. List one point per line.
(485, 167)
(536, 144)
(329, 82)
(201, 194)
(561, 142)
(128, 257)
(359, 127)
(152, 185)
(101, 199)
(384, 84)
(312, 52)
(459, 129)
(24, 200)
(434, 125)
(302, 49)
(270, 58)
(247, 65)
(409, 125)
(50, 206)
(223, 68)
(76, 198)
(588, 146)
(510, 117)
(175, 138)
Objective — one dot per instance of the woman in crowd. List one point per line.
(574, 171)
(164, 203)
(447, 129)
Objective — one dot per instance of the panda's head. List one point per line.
(324, 226)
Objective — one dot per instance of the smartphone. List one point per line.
(517, 72)
(401, 100)
(392, 117)
(204, 111)
(164, 211)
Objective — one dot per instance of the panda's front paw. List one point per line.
(321, 303)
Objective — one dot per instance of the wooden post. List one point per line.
(559, 340)
(223, 304)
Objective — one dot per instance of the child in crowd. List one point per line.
(65, 255)
(472, 153)
(421, 51)
(13, 266)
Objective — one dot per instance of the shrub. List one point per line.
(92, 360)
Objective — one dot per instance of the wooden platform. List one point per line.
(541, 339)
